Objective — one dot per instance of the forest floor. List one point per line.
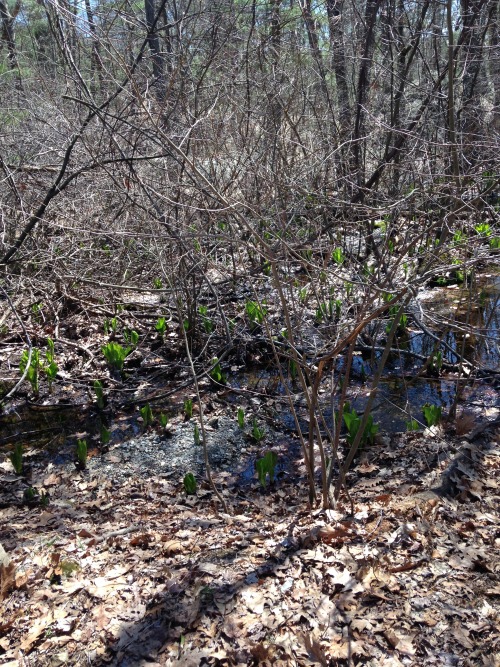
(132, 571)
(115, 564)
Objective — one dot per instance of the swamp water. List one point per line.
(400, 398)
(463, 324)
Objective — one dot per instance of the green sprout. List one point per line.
(30, 495)
(432, 414)
(216, 373)
(436, 362)
(188, 408)
(32, 374)
(161, 326)
(338, 256)
(337, 303)
(207, 323)
(266, 466)
(190, 484)
(81, 454)
(353, 422)
(403, 320)
(105, 435)
(387, 297)
(51, 369)
(131, 337)
(241, 417)
(16, 458)
(196, 435)
(255, 312)
(115, 354)
(147, 416)
(483, 229)
(99, 394)
(37, 311)
(257, 433)
(321, 312)
(110, 325)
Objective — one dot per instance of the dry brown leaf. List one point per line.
(334, 535)
(64, 625)
(339, 577)
(142, 541)
(495, 591)
(340, 650)
(383, 498)
(103, 587)
(262, 653)
(209, 568)
(172, 547)
(52, 480)
(462, 637)
(8, 624)
(7, 579)
(315, 650)
(102, 616)
(21, 578)
(254, 600)
(45, 518)
(193, 658)
(36, 630)
(85, 533)
(366, 468)
(429, 619)
(402, 642)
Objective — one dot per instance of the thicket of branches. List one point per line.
(242, 143)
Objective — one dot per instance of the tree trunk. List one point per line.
(154, 46)
(371, 9)
(8, 36)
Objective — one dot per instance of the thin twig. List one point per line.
(202, 420)
(30, 347)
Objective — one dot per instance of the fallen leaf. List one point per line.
(254, 600)
(401, 642)
(331, 535)
(85, 533)
(315, 650)
(173, 547)
(7, 579)
(36, 630)
(52, 480)
(142, 541)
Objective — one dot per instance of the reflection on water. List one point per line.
(400, 397)
(474, 322)
(397, 402)
(55, 428)
(475, 326)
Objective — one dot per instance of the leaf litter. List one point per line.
(128, 570)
